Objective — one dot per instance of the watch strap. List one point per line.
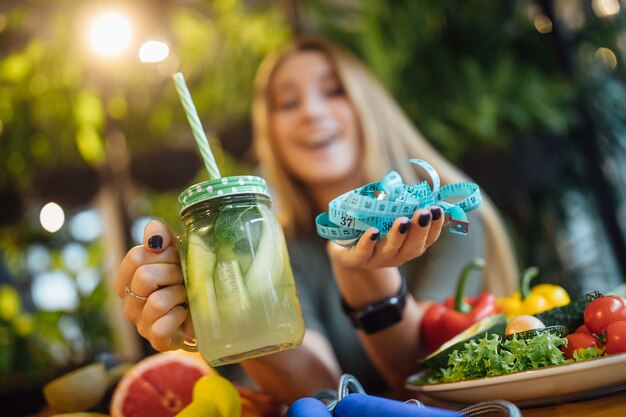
(379, 315)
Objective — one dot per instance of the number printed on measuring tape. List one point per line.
(378, 204)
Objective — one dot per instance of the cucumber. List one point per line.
(489, 325)
(558, 330)
(268, 261)
(570, 315)
(200, 266)
(230, 288)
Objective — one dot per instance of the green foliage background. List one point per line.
(475, 76)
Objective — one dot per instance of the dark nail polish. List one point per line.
(155, 242)
(436, 212)
(423, 220)
(375, 235)
(403, 227)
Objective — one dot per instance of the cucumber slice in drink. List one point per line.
(200, 266)
(239, 228)
(267, 266)
(230, 287)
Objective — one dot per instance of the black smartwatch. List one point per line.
(379, 315)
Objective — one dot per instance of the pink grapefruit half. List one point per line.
(160, 385)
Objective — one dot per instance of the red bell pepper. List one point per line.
(442, 322)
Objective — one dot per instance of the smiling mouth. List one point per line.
(321, 141)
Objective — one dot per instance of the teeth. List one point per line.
(318, 144)
(321, 140)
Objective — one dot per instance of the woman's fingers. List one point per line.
(157, 237)
(159, 304)
(137, 257)
(149, 273)
(359, 254)
(150, 277)
(437, 222)
(388, 248)
(364, 249)
(415, 243)
(149, 282)
(158, 248)
(406, 239)
(164, 327)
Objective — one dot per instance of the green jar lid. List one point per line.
(225, 186)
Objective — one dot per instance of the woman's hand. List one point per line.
(407, 239)
(150, 282)
(368, 273)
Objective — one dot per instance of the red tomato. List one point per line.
(603, 311)
(576, 341)
(583, 329)
(615, 334)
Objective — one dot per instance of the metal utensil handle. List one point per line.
(506, 408)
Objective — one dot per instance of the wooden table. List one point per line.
(609, 405)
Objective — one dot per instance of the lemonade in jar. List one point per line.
(240, 286)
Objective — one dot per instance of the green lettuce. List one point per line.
(587, 353)
(491, 356)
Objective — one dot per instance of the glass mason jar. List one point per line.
(240, 287)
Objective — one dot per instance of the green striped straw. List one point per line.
(196, 126)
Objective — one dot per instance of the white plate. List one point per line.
(540, 386)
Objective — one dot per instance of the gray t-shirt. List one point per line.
(431, 276)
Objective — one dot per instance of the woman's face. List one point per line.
(312, 121)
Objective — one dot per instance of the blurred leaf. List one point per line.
(470, 75)
(15, 68)
(10, 303)
(88, 110)
(90, 145)
(117, 107)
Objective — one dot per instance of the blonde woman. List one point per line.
(323, 126)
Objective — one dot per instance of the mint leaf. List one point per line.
(236, 227)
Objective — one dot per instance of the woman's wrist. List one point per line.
(360, 287)
(378, 315)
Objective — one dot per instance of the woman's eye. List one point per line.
(288, 104)
(335, 92)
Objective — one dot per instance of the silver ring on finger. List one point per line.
(134, 296)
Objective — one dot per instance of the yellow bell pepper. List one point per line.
(213, 396)
(540, 298)
(199, 409)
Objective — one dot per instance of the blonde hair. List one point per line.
(389, 137)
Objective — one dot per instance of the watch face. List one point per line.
(381, 318)
(380, 315)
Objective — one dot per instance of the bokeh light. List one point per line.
(606, 57)
(605, 8)
(52, 217)
(110, 34)
(86, 225)
(153, 51)
(55, 291)
(74, 256)
(87, 280)
(571, 13)
(138, 227)
(38, 259)
(543, 24)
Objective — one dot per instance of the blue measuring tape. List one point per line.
(378, 204)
